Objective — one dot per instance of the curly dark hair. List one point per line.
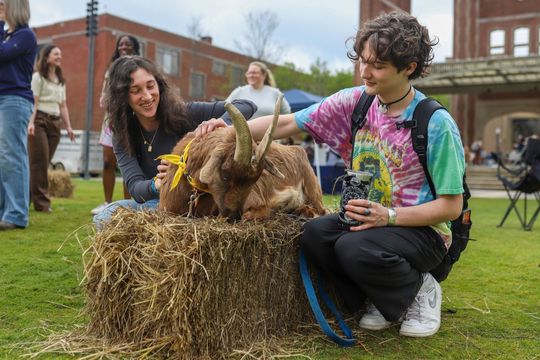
(171, 111)
(398, 38)
(134, 41)
(42, 66)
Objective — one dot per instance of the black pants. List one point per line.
(382, 264)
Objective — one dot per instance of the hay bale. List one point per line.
(60, 184)
(193, 288)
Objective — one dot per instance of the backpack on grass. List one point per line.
(461, 226)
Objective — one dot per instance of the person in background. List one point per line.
(50, 110)
(261, 89)
(309, 146)
(147, 119)
(125, 45)
(383, 264)
(18, 49)
(477, 149)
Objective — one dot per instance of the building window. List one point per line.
(142, 48)
(237, 76)
(168, 60)
(197, 89)
(521, 41)
(496, 42)
(219, 68)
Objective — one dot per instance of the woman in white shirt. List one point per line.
(261, 89)
(50, 110)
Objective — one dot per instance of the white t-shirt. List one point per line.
(264, 98)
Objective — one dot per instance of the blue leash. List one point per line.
(349, 339)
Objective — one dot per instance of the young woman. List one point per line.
(50, 110)
(17, 54)
(261, 89)
(147, 119)
(384, 263)
(125, 45)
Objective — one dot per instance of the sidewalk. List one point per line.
(489, 194)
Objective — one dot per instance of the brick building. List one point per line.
(494, 73)
(200, 70)
(498, 31)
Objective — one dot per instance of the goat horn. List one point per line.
(264, 145)
(243, 151)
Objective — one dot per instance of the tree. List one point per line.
(195, 28)
(258, 39)
(320, 80)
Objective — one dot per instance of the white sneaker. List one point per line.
(373, 319)
(99, 208)
(423, 317)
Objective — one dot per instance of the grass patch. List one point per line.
(491, 307)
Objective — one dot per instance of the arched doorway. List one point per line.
(508, 129)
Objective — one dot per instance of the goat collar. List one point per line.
(181, 162)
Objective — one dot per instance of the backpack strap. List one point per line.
(358, 117)
(419, 133)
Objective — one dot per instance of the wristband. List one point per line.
(153, 187)
(392, 215)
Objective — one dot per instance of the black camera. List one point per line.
(356, 185)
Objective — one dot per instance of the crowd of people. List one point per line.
(380, 266)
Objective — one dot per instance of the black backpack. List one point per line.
(461, 226)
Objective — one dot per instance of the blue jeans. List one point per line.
(15, 113)
(105, 214)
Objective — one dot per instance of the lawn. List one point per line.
(491, 301)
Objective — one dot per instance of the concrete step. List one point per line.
(483, 178)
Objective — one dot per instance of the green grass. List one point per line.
(491, 301)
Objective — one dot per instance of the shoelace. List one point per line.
(415, 310)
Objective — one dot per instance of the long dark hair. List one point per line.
(171, 112)
(134, 41)
(43, 68)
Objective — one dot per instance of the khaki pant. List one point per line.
(41, 148)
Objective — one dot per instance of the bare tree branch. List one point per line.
(258, 40)
(195, 29)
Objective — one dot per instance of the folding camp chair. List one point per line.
(523, 179)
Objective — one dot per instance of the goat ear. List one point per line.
(209, 170)
(272, 169)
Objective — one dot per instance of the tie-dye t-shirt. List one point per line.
(387, 152)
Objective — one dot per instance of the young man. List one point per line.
(384, 263)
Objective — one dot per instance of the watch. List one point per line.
(392, 215)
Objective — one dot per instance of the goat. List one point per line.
(227, 173)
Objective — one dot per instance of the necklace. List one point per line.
(383, 107)
(148, 144)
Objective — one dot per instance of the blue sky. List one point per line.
(308, 28)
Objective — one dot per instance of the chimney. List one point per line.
(206, 39)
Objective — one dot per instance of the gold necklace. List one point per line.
(148, 144)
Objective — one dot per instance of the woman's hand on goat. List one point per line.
(162, 168)
(208, 126)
